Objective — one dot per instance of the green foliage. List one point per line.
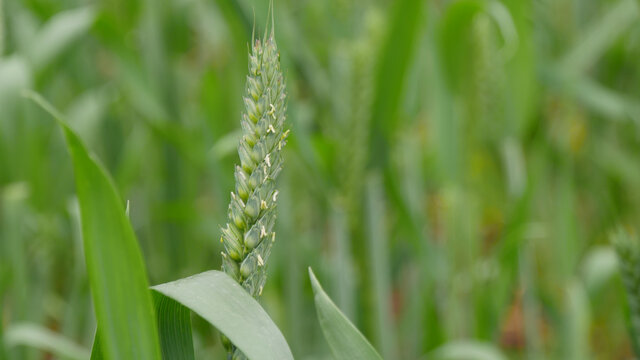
(42, 338)
(453, 171)
(223, 303)
(212, 295)
(174, 328)
(467, 350)
(249, 236)
(345, 341)
(114, 263)
(628, 249)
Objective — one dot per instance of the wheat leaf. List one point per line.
(345, 340)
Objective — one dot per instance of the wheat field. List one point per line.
(462, 177)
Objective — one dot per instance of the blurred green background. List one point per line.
(454, 171)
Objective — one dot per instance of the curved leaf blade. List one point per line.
(174, 328)
(118, 279)
(41, 338)
(60, 32)
(467, 350)
(226, 305)
(345, 340)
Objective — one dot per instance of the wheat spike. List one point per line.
(248, 235)
(628, 248)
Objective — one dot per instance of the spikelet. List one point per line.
(248, 235)
(628, 248)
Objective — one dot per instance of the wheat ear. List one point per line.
(628, 248)
(248, 234)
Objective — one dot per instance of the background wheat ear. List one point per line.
(248, 234)
(627, 247)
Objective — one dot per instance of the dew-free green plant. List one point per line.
(248, 235)
(111, 247)
(628, 248)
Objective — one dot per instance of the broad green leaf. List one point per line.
(226, 305)
(43, 339)
(123, 305)
(174, 327)
(345, 341)
(467, 350)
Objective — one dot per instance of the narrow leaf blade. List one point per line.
(123, 305)
(58, 34)
(39, 337)
(344, 339)
(467, 350)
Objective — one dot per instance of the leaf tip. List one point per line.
(315, 284)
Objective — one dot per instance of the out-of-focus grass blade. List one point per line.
(393, 65)
(378, 252)
(2, 34)
(598, 267)
(226, 305)
(86, 113)
(16, 75)
(467, 350)
(227, 145)
(605, 101)
(43, 339)
(174, 327)
(530, 299)
(453, 41)
(342, 262)
(344, 339)
(578, 321)
(601, 35)
(520, 68)
(57, 34)
(123, 305)
(3, 276)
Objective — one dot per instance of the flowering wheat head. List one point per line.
(628, 249)
(248, 235)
